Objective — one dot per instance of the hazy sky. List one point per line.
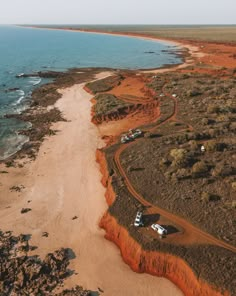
(118, 11)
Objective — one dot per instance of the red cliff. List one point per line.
(152, 262)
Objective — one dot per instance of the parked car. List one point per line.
(125, 139)
(138, 219)
(159, 229)
(134, 133)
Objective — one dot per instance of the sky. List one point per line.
(117, 11)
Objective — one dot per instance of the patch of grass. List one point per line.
(105, 84)
(200, 168)
(107, 103)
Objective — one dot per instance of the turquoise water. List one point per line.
(26, 50)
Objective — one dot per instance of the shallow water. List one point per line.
(26, 50)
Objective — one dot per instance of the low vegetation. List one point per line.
(107, 104)
(105, 84)
(173, 172)
(207, 33)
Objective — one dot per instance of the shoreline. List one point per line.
(50, 183)
(192, 51)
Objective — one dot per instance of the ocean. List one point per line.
(27, 50)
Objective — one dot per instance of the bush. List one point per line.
(107, 103)
(233, 204)
(193, 145)
(233, 126)
(208, 197)
(182, 173)
(213, 109)
(233, 185)
(105, 84)
(205, 121)
(178, 153)
(200, 168)
(164, 162)
(205, 196)
(194, 92)
(223, 118)
(211, 145)
(222, 170)
(180, 157)
(212, 133)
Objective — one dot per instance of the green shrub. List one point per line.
(182, 173)
(200, 168)
(233, 204)
(205, 196)
(208, 197)
(178, 153)
(180, 157)
(205, 121)
(193, 145)
(164, 162)
(107, 103)
(194, 92)
(213, 109)
(211, 145)
(234, 185)
(104, 84)
(222, 170)
(223, 118)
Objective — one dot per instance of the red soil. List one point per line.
(221, 55)
(152, 262)
(131, 85)
(145, 109)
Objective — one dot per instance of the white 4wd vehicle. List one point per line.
(125, 139)
(159, 229)
(138, 219)
(135, 133)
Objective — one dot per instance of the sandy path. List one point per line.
(64, 181)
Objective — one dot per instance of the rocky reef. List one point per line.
(25, 274)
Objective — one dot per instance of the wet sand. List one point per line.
(64, 182)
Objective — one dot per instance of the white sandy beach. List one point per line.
(64, 181)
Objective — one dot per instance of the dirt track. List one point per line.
(190, 231)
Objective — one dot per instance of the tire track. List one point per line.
(187, 226)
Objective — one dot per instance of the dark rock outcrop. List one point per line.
(21, 274)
